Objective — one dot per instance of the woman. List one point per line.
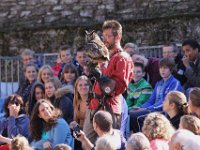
(158, 130)
(82, 91)
(57, 95)
(15, 121)
(45, 73)
(175, 105)
(30, 72)
(37, 93)
(47, 128)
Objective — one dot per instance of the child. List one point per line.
(191, 123)
(162, 88)
(139, 90)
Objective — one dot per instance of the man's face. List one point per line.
(108, 38)
(65, 56)
(27, 59)
(168, 52)
(81, 58)
(138, 73)
(190, 52)
(129, 50)
(165, 72)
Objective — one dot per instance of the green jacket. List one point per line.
(138, 93)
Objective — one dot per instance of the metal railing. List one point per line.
(11, 67)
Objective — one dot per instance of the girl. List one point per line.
(175, 105)
(57, 95)
(45, 73)
(47, 128)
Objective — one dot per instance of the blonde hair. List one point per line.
(180, 101)
(42, 69)
(20, 143)
(191, 123)
(27, 52)
(157, 126)
(105, 143)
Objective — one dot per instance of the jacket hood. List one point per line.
(63, 91)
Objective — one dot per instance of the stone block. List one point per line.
(67, 13)
(59, 7)
(25, 13)
(68, 1)
(86, 13)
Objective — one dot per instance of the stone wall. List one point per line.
(44, 25)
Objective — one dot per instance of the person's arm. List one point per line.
(5, 139)
(86, 144)
(193, 78)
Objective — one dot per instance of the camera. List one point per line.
(76, 130)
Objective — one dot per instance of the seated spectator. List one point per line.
(184, 140)
(30, 73)
(191, 123)
(81, 59)
(102, 124)
(175, 105)
(15, 121)
(20, 143)
(155, 103)
(194, 103)
(45, 73)
(47, 128)
(105, 143)
(69, 75)
(62, 147)
(66, 56)
(130, 48)
(57, 96)
(191, 61)
(158, 130)
(138, 141)
(139, 90)
(172, 51)
(151, 67)
(37, 93)
(27, 56)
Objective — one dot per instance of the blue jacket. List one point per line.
(172, 84)
(59, 134)
(15, 126)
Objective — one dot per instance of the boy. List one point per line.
(139, 90)
(163, 87)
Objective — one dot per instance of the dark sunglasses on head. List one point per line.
(14, 102)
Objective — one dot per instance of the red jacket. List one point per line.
(120, 69)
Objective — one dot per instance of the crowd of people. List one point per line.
(129, 102)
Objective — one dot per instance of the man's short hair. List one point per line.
(138, 141)
(193, 43)
(175, 48)
(167, 62)
(66, 47)
(114, 25)
(104, 120)
(137, 64)
(130, 45)
(27, 52)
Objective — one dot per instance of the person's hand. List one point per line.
(13, 111)
(47, 145)
(81, 136)
(186, 61)
(5, 139)
(72, 124)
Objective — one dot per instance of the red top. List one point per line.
(119, 69)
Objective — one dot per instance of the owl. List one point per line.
(95, 48)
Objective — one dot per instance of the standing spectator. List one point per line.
(15, 121)
(30, 73)
(57, 95)
(175, 105)
(191, 61)
(158, 130)
(47, 128)
(45, 73)
(139, 90)
(190, 123)
(172, 51)
(119, 70)
(194, 103)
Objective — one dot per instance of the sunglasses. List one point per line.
(14, 102)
